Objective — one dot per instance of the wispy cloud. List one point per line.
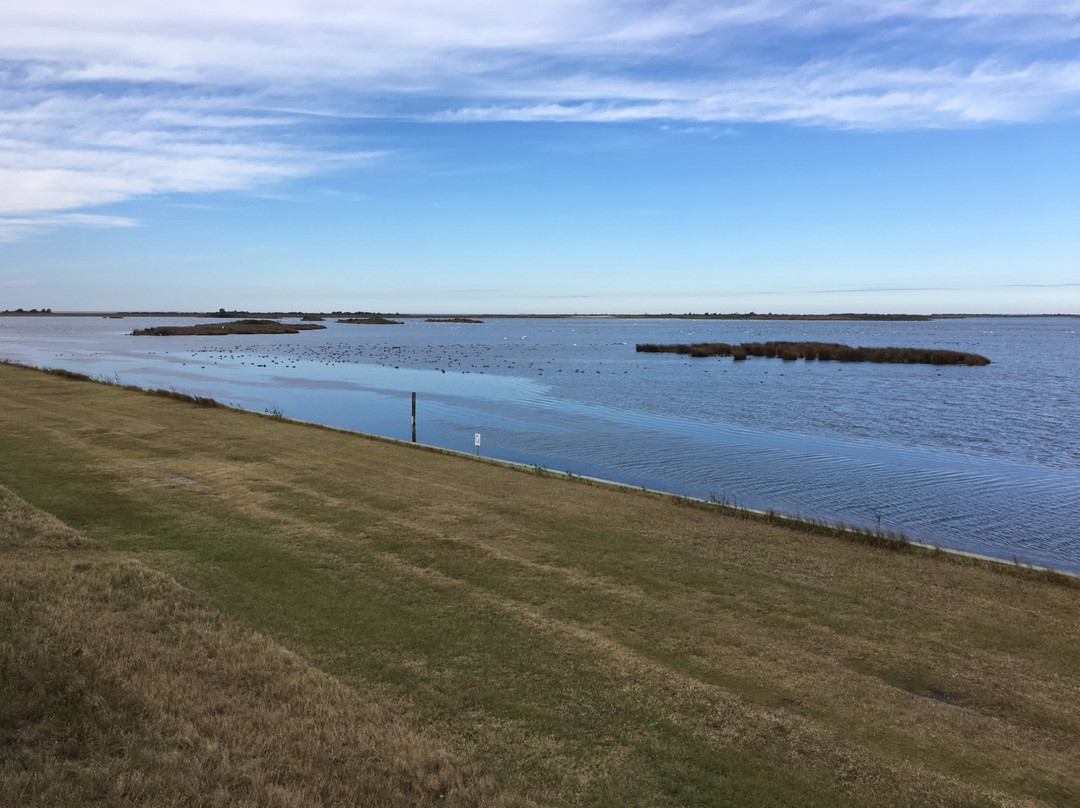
(1070, 285)
(14, 228)
(71, 149)
(108, 101)
(838, 94)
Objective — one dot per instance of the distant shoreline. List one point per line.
(749, 316)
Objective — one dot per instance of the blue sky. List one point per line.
(563, 156)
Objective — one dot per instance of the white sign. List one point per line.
(476, 440)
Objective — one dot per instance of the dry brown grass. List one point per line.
(23, 527)
(120, 687)
(579, 645)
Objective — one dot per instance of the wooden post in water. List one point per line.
(414, 417)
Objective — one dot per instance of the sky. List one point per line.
(564, 156)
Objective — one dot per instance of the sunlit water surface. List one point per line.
(984, 459)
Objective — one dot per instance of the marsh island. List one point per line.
(236, 327)
(370, 321)
(825, 351)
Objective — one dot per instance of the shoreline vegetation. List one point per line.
(237, 327)
(370, 321)
(453, 320)
(823, 351)
(199, 600)
(880, 538)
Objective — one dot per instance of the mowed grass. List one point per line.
(120, 687)
(497, 637)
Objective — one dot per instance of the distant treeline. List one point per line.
(825, 351)
(452, 320)
(280, 314)
(237, 313)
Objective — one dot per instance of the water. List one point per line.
(982, 459)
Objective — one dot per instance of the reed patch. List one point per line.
(242, 327)
(823, 351)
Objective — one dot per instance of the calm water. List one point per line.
(981, 459)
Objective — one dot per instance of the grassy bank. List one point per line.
(121, 687)
(221, 586)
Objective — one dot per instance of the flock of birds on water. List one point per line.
(456, 358)
(510, 356)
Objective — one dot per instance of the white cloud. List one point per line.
(69, 151)
(108, 101)
(16, 228)
(838, 95)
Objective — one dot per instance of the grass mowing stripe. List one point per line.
(118, 686)
(581, 645)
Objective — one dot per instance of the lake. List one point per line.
(983, 459)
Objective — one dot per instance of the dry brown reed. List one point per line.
(820, 350)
